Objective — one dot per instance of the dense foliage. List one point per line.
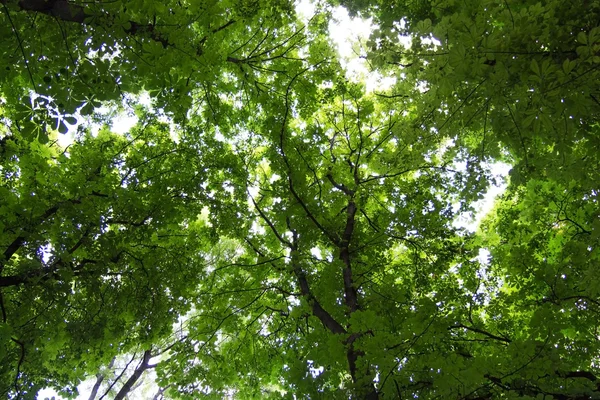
(272, 229)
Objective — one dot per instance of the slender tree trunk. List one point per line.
(144, 365)
(99, 380)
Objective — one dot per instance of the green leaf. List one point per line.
(535, 67)
(271, 221)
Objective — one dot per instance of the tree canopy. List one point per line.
(272, 228)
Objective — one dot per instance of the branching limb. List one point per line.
(283, 240)
(481, 331)
(339, 186)
(143, 366)
(350, 293)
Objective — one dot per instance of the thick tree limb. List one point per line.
(350, 294)
(94, 392)
(13, 280)
(143, 366)
(19, 240)
(367, 389)
(99, 379)
(43, 273)
(46, 272)
(12, 249)
(318, 311)
(580, 374)
(339, 186)
(531, 389)
(61, 9)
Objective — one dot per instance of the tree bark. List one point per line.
(99, 379)
(144, 365)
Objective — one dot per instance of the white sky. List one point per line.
(484, 206)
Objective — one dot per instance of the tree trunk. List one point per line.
(145, 364)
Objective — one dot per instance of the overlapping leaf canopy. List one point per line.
(271, 229)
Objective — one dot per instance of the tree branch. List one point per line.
(473, 329)
(318, 311)
(143, 366)
(286, 161)
(268, 221)
(580, 374)
(339, 186)
(19, 240)
(99, 380)
(350, 294)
